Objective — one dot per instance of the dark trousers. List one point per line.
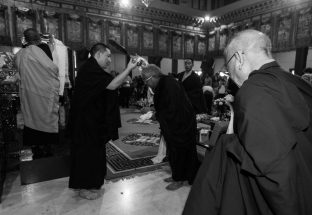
(125, 94)
(39, 141)
(88, 166)
(183, 162)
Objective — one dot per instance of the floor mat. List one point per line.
(120, 164)
(44, 169)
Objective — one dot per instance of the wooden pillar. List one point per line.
(301, 60)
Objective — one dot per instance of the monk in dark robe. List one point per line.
(193, 87)
(264, 167)
(94, 120)
(177, 123)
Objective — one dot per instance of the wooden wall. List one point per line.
(80, 30)
(288, 28)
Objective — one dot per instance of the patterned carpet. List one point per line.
(119, 161)
(133, 151)
(142, 139)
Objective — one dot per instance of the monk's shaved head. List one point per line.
(249, 39)
(247, 51)
(151, 70)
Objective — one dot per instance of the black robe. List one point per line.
(94, 120)
(178, 126)
(265, 167)
(193, 88)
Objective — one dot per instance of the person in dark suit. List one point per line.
(193, 87)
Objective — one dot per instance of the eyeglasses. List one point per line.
(227, 63)
(146, 80)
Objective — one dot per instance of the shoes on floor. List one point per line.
(90, 194)
(168, 180)
(175, 185)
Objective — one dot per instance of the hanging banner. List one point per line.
(74, 28)
(223, 37)
(94, 31)
(304, 28)
(201, 46)
(132, 34)
(212, 41)
(2, 22)
(163, 42)
(284, 22)
(189, 41)
(25, 18)
(148, 38)
(52, 23)
(176, 44)
(114, 31)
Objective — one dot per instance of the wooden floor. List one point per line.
(140, 195)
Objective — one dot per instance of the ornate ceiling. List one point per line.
(138, 12)
(259, 8)
(137, 9)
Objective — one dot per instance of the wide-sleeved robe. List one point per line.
(38, 88)
(265, 167)
(178, 126)
(94, 120)
(194, 91)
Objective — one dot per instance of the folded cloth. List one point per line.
(161, 151)
(146, 116)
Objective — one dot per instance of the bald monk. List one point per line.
(177, 121)
(264, 166)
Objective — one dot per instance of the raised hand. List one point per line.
(228, 99)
